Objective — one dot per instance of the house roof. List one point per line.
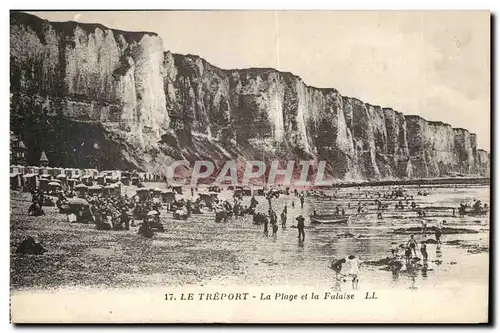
(43, 157)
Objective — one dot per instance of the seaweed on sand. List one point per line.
(445, 231)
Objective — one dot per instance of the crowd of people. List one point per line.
(119, 212)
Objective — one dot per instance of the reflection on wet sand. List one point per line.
(199, 250)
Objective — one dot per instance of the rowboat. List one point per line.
(329, 219)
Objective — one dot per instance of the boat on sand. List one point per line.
(329, 219)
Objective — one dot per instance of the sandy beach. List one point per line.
(200, 251)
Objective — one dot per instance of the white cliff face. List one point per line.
(483, 164)
(125, 91)
(442, 157)
(358, 140)
(275, 102)
(465, 151)
(300, 138)
(396, 152)
(102, 76)
(38, 59)
(90, 62)
(148, 74)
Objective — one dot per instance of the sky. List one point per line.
(435, 64)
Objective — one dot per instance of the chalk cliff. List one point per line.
(90, 95)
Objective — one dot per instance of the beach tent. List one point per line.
(30, 182)
(87, 180)
(43, 184)
(72, 182)
(15, 181)
(209, 197)
(177, 189)
(101, 180)
(125, 180)
(167, 196)
(94, 189)
(247, 191)
(44, 171)
(77, 202)
(112, 189)
(135, 181)
(54, 172)
(258, 190)
(156, 191)
(54, 187)
(81, 188)
(75, 173)
(81, 209)
(62, 178)
(213, 189)
(17, 169)
(46, 176)
(143, 193)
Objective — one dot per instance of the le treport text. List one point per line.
(328, 295)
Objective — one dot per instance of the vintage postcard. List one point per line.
(250, 166)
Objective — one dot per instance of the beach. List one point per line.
(202, 252)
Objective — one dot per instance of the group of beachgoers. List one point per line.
(37, 202)
(410, 256)
(111, 211)
(477, 208)
(272, 218)
(353, 263)
(411, 246)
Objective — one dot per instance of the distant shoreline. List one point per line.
(434, 181)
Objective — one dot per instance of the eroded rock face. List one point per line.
(86, 72)
(152, 106)
(483, 162)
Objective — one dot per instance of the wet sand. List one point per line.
(204, 253)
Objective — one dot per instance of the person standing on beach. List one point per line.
(272, 216)
(302, 201)
(283, 218)
(394, 249)
(354, 264)
(275, 229)
(266, 226)
(424, 227)
(439, 224)
(300, 226)
(438, 232)
(423, 250)
(412, 244)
